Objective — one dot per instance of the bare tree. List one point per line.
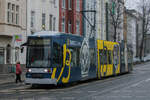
(116, 13)
(144, 7)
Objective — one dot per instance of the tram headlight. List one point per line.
(46, 70)
(29, 70)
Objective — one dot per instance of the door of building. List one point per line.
(1, 55)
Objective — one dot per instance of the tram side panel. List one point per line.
(108, 58)
(71, 69)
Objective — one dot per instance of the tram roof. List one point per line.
(51, 33)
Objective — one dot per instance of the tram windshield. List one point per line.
(38, 53)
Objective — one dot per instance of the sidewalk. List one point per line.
(9, 78)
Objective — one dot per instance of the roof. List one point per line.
(46, 33)
(51, 33)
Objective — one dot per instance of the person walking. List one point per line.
(18, 72)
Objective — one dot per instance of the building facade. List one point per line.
(42, 15)
(131, 31)
(12, 30)
(134, 31)
(70, 16)
(104, 26)
(101, 19)
(147, 47)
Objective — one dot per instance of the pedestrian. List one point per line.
(18, 72)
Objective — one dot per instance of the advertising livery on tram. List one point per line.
(59, 58)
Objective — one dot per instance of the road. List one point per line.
(133, 86)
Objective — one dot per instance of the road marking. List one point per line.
(113, 88)
(32, 90)
(139, 83)
(77, 91)
(136, 84)
(68, 98)
(147, 80)
(92, 91)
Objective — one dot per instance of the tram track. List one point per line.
(86, 88)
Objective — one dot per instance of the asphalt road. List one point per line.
(132, 86)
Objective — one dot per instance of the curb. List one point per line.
(9, 78)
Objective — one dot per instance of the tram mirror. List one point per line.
(22, 49)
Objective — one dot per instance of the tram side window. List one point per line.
(75, 55)
(103, 56)
(109, 57)
(57, 54)
(78, 57)
(92, 57)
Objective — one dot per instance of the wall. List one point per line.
(42, 6)
(9, 29)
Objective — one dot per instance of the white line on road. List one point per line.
(114, 88)
(147, 80)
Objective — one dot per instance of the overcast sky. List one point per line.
(131, 4)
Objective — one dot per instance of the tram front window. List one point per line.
(38, 56)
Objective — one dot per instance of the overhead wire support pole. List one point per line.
(87, 11)
(93, 27)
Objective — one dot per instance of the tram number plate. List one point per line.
(37, 76)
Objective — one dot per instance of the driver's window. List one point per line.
(57, 54)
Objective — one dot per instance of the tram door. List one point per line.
(103, 62)
(116, 59)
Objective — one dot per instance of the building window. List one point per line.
(16, 54)
(8, 12)
(43, 20)
(54, 22)
(77, 5)
(8, 54)
(17, 14)
(69, 27)
(70, 4)
(78, 27)
(63, 3)
(55, 3)
(50, 22)
(63, 24)
(12, 13)
(32, 18)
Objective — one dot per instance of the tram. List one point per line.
(59, 58)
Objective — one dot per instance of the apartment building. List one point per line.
(42, 15)
(70, 16)
(134, 31)
(12, 30)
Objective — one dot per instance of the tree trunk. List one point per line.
(115, 33)
(141, 48)
(143, 33)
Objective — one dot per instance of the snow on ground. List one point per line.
(147, 58)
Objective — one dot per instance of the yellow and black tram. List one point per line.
(58, 58)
